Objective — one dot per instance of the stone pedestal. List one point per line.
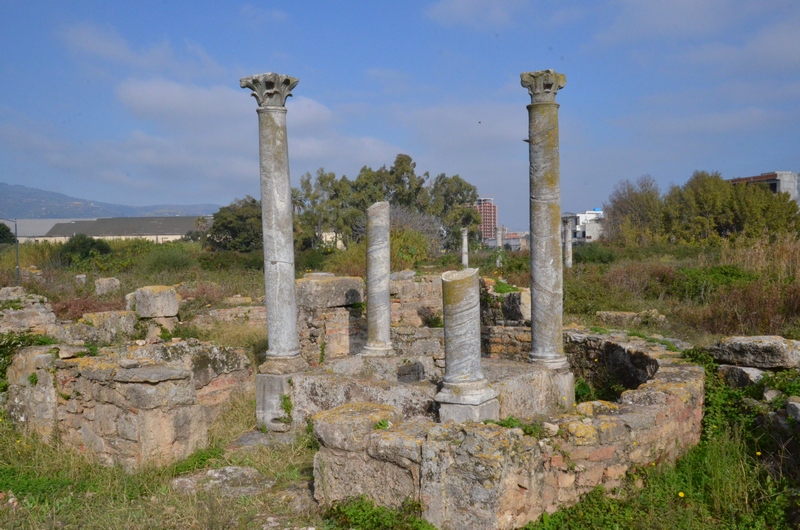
(465, 394)
(270, 389)
(465, 247)
(379, 312)
(271, 91)
(545, 218)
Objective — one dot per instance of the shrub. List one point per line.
(80, 247)
(75, 308)
(592, 253)
(168, 258)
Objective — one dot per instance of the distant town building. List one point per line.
(586, 226)
(778, 182)
(512, 240)
(156, 229)
(488, 211)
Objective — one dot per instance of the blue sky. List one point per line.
(139, 102)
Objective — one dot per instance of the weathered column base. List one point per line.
(270, 413)
(272, 384)
(559, 383)
(474, 401)
(377, 350)
(551, 363)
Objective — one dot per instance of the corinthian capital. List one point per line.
(270, 90)
(543, 85)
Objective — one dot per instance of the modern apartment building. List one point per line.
(488, 211)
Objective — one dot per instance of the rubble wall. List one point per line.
(145, 405)
(480, 476)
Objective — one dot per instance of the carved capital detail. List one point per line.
(270, 89)
(543, 85)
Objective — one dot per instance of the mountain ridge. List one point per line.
(23, 202)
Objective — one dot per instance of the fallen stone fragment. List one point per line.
(739, 376)
(757, 352)
(229, 481)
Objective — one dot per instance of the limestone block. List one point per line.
(457, 412)
(167, 436)
(347, 427)
(478, 476)
(80, 279)
(757, 352)
(526, 390)
(739, 376)
(341, 475)
(270, 392)
(237, 299)
(325, 292)
(151, 374)
(12, 293)
(103, 286)
(229, 481)
(111, 324)
(793, 407)
(34, 406)
(165, 395)
(34, 318)
(155, 301)
(400, 443)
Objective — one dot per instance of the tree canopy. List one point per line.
(325, 204)
(706, 209)
(6, 235)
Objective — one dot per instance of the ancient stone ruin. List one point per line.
(402, 409)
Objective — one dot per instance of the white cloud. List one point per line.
(475, 14)
(257, 16)
(105, 43)
(677, 19)
(773, 49)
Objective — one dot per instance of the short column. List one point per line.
(283, 355)
(379, 312)
(547, 345)
(465, 247)
(465, 395)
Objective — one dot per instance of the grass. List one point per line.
(58, 487)
(720, 484)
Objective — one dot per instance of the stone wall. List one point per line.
(480, 476)
(143, 405)
(416, 300)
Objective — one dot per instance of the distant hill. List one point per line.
(21, 202)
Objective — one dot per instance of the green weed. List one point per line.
(362, 514)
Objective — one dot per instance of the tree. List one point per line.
(447, 193)
(633, 213)
(237, 226)
(6, 235)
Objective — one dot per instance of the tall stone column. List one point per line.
(283, 355)
(567, 228)
(465, 394)
(545, 211)
(379, 312)
(499, 239)
(465, 247)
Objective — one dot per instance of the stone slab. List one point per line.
(489, 410)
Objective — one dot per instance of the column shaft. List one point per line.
(465, 247)
(379, 313)
(568, 244)
(276, 218)
(545, 218)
